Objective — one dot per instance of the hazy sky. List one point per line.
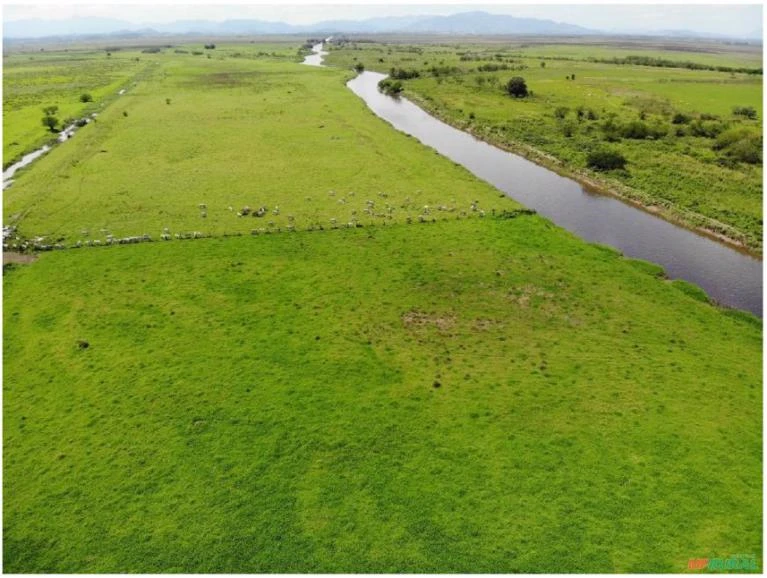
(721, 18)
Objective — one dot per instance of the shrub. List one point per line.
(636, 129)
(611, 130)
(390, 87)
(680, 118)
(402, 74)
(491, 67)
(561, 112)
(86, 97)
(741, 144)
(706, 129)
(605, 160)
(359, 67)
(745, 111)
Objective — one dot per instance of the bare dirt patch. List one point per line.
(19, 258)
(421, 319)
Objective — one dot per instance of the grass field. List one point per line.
(462, 394)
(237, 133)
(34, 81)
(271, 404)
(677, 168)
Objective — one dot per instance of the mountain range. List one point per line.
(462, 23)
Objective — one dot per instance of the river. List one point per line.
(728, 276)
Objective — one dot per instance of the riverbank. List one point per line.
(730, 277)
(673, 126)
(594, 183)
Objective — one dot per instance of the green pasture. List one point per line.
(482, 395)
(237, 133)
(705, 54)
(34, 81)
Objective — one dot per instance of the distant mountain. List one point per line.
(370, 26)
(484, 23)
(463, 23)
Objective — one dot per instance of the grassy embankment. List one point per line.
(470, 395)
(688, 170)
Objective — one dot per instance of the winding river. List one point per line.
(730, 277)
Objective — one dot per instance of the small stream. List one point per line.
(728, 276)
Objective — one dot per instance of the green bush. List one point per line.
(636, 129)
(707, 129)
(742, 144)
(402, 74)
(605, 160)
(745, 111)
(517, 87)
(390, 87)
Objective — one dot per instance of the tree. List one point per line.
(543, 65)
(516, 87)
(50, 120)
(86, 97)
(359, 67)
